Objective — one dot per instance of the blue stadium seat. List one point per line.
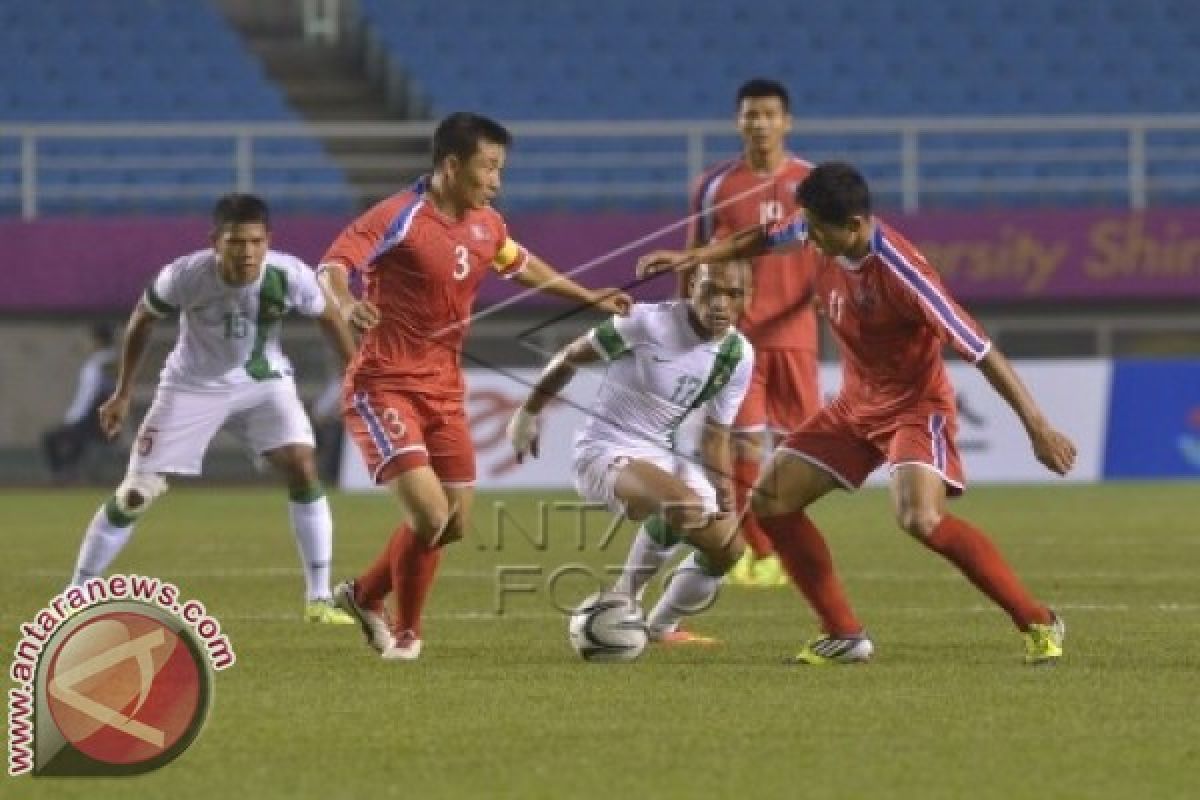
(134, 61)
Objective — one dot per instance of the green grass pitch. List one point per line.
(499, 706)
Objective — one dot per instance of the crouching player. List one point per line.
(665, 361)
(227, 369)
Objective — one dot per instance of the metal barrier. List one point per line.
(1134, 161)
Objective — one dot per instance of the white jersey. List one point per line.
(229, 335)
(660, 370)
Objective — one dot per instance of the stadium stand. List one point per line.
(138, 61)
(631, 59)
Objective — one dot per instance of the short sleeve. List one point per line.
(510, 256)
(724, 405)
(617, 336)
(304, 293)
(164, 296)
(361, 240)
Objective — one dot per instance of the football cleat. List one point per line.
(681, 637)
(742, 573)
(829, 650)
(324, 612)
(769, 573)
(1044, 643)
(374, 625)
(406, 647)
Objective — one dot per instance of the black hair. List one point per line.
(834, 192)
(763, 87)
(460, 133)
(236, 208)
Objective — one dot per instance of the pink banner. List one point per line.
(101, 265)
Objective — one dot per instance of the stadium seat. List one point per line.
(135, 61)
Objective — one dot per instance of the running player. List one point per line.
(891, 316)
(423, 253)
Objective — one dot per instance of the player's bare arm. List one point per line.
(1052, 448)
(523, 427)
(716, 453)
(746, 243)
(361, 315)
(137, 334)
(539, 275)
(336, 328)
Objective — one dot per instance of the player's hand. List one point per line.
(522, 432)
(361, 315)
(112, 414)
(662, 261)
(1053, 449)
(612, 301)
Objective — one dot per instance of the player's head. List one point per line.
(240, 237)
(837, 207)
(469, 151)
(763, 115)
(718, 295)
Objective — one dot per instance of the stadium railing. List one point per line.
(1124, 161)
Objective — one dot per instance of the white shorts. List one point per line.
(596, 466)
(180, 424)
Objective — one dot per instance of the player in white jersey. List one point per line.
(226, 369)
(664, 361)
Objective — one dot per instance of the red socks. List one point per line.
(802, 551)
(414, 563)
(745, 473)
(406, 567)
(969, 549)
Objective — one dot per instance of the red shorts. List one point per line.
(850, 449)
(783, 392)
(399, 431)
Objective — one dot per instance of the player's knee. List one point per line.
(429, 520)
(137, 492)
(453, 531)
(683, 509)
(918, 521)
(766, 503)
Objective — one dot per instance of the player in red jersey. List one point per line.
(424, 253)
(891, 316)
(759, 188)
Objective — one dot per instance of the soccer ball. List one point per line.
(608, 626)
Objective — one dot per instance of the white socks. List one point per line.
(101, 544)
(645, 559)
(690, 591)
(313, 526)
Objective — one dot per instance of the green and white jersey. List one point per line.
(229, 335)
(659, 371)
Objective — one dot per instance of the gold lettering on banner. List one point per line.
(1015, 256)
(1122, 248)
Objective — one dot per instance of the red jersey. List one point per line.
(731, 197)
(422, 271)
(891, 316)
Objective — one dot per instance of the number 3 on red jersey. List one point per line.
(462, 260)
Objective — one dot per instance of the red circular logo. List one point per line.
(127, 687)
